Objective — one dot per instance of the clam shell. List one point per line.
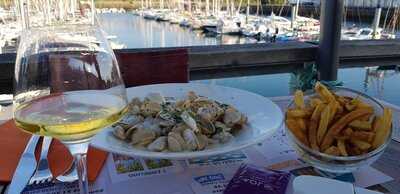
(190, 139)
(149, 108)
(175, 142)
(222, 126)
(119, 132)
(131, 120)
(155, 97)
(142, 137)
(135, 102)
(134, 109)
(223, 137)
(151, 124)
(203, 141)
(189, 121)
(158, 145)
(207, 127)
(192, 96)
(206, 113)
(179, 128)
(232, 117)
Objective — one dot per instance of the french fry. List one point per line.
(383, 129)
(336, 128)
(314, 102)
(361, 125)
(363, 136)
(325, 94)
(350, 106)
(323, 124)
(360, 144)
(299, 99)
(342, 137)
(313, 125)
(333, 150)
(342, 100)
(365, 118)
(353, 150)
(297, 113)
(337, 125)
(377, 123)
(362, 104)
(353, 104)
(333, 105)
(342, 147)
(295, 129)
(339, 108)
(348, 132)
(302, 125)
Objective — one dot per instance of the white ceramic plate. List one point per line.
(264, 118)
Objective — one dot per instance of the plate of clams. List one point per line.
(189, 120)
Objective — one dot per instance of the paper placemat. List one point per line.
(124, 175)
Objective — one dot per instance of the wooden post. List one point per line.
(328, 51)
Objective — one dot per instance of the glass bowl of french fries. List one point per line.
(338, 130)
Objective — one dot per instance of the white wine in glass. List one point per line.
(67, 81)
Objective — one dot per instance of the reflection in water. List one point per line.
(375, 78)
(136, 32)
(382, 84)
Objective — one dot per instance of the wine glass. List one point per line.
(67, 82)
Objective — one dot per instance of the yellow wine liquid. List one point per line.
(69, 117)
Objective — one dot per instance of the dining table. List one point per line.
(388, 163)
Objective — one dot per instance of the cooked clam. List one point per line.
(176, 143)
(165, 124)
(155, 97)
(190, 139)
(158, 145)
(223, 137)
(189, 121)
(119, 132)
(142, 137)
(232, 117)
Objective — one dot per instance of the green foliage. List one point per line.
(134, 166)
(277, 2)
(306, 78)
(154, 164)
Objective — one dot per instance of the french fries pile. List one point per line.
(337, 125)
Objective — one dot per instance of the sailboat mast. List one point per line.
(247, 11)
(387, 14)
(258, 7)
(227, 6)
(207, 7)
(232, 7)
(239, 7)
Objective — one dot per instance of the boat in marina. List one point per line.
(366, 34)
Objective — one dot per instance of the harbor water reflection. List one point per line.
(136, 32)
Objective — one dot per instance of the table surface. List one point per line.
(388, 163)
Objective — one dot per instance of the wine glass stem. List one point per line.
(80, 159)
(79, 152)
